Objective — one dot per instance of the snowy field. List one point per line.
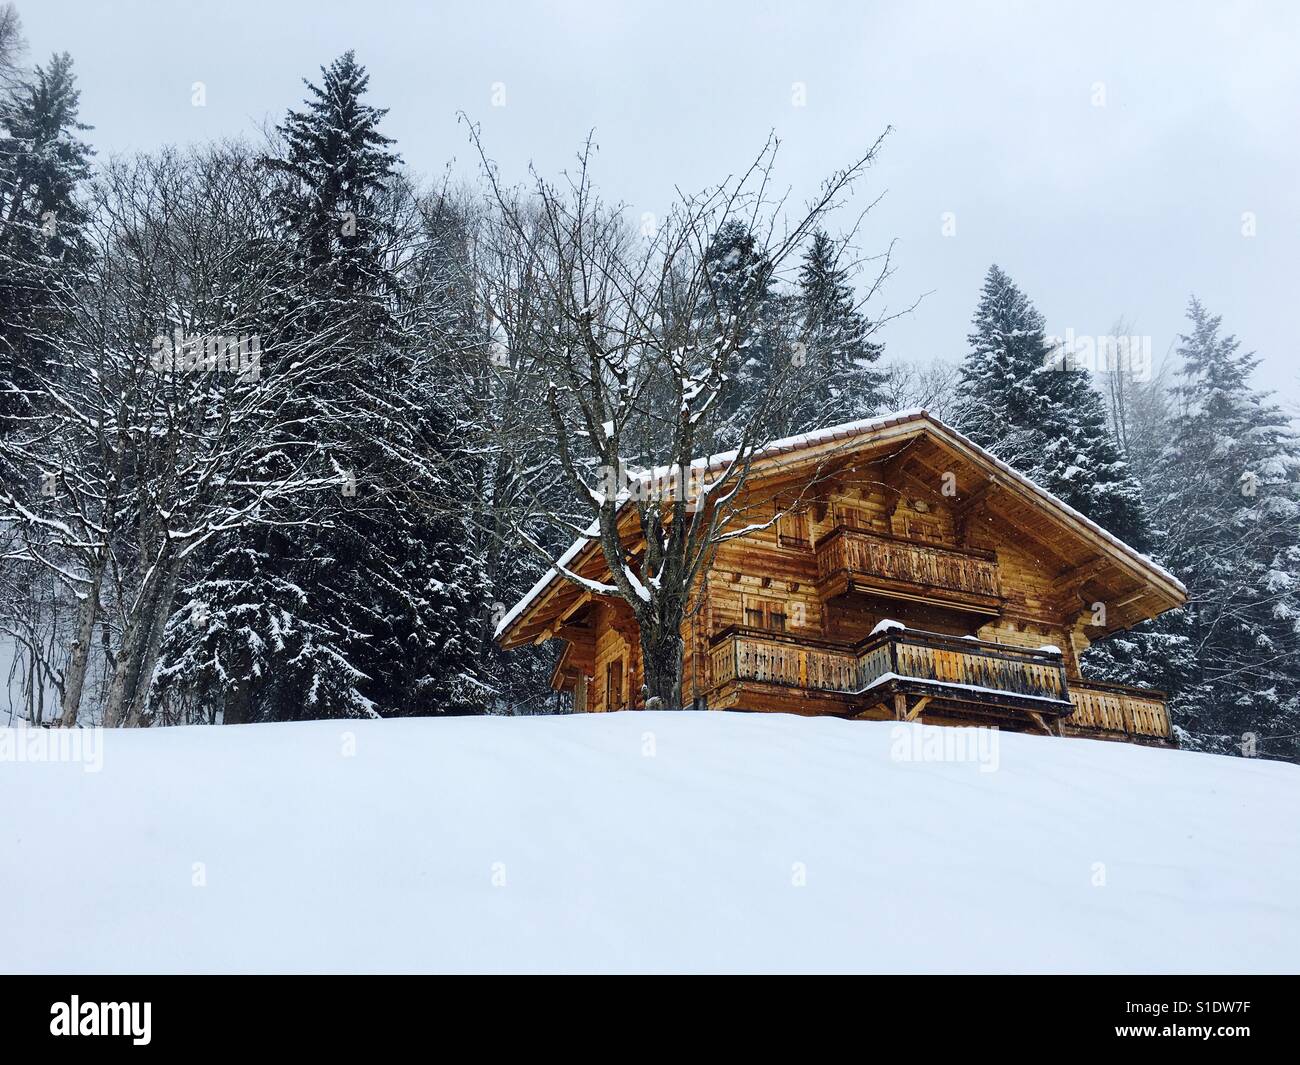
(643, 841)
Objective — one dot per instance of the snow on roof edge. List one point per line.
(812, 439)
(547, 576)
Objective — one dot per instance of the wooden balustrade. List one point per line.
(929, 656)
(751, 655)
(853, 558)
(771, 658)
(1119, 709)
(968, 668)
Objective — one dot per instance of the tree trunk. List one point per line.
(74, 677)
(161, 613)
(661, 656)
(136, 634)
(237, 707)
(127, 655)
(35, 690)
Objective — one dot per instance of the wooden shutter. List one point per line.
(614, 685)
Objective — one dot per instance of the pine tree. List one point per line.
(394, 572)
(1019, 398)
(337, 166)
(842, 384)
(43, 250)
(740, 273)
(741, 299)
(366, 602)
(1231, 504)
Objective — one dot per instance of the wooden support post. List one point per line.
(900, 706)
(882, 707)
(921, 704)
(1042, 723)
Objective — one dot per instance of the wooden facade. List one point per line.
(896, 571)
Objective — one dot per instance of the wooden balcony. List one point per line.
(963, 679)
(777, 658)
(854, 560)
(1118, 711)
(951, 679)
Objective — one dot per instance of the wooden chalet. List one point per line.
(907, 574)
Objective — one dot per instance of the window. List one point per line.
(765, 614)
(851, 518)
(614, 685)
(792, 528)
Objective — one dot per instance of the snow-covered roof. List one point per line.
(832, 434)
(802, 440)
(545, 579)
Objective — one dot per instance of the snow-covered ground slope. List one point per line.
(644, 841)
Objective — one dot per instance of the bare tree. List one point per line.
(932, 386)
(515, 469)
(641, 352)
(162, 425)
(1137, 395)
(12, 47)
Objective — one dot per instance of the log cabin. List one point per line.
(892, 570)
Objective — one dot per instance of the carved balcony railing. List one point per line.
(1119, 710)
(857, 560)
(970, 669)
(966, 665)
(954, 670)
(776, 658)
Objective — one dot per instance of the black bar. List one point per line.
(974, 1014)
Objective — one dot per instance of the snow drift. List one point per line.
(643, 841)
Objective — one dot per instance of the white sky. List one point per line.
(1097, 212)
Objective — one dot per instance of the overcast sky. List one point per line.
(1103, 154)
